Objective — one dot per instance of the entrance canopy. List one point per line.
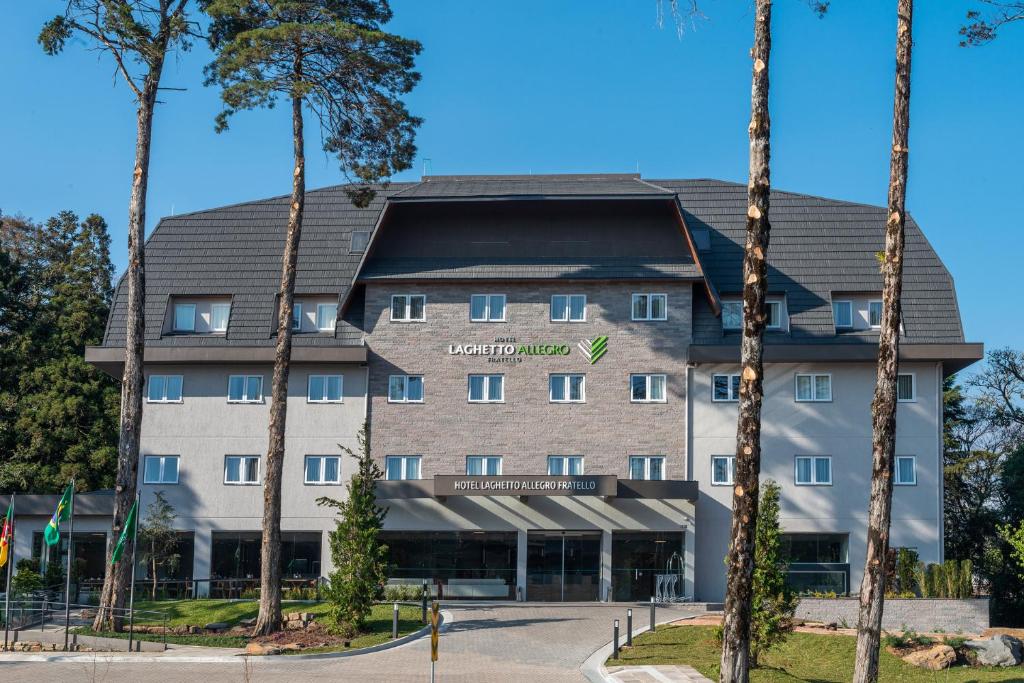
(526, 485)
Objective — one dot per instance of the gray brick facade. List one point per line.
(922, 615)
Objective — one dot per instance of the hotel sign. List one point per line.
(525, 485)
(509, 350)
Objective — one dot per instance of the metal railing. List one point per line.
(227, 588)
(36, 611)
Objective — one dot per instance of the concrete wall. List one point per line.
(840, 428)
(526, 428)
(922, 615)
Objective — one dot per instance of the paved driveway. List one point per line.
(514, 642)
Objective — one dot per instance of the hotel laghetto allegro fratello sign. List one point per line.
(510, 350)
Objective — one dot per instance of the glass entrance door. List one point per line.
(563, 566)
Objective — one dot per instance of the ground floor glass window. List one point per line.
(639, 556)
(457, 564)
(818, 563)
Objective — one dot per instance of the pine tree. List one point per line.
(360, 560)
(772, 604)
(332, 58)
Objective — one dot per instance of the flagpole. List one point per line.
(67, 578)
(131, 593)
(10, 563)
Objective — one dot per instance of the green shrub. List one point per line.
(906, 566)
(404, 593)
(921, 579)
(250, 594)
(966, 579)
(27, 579)
(908, 638)
(951, 568)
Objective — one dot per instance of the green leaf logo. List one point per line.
(593, 349)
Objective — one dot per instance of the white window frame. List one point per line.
(483, 465)
(814, 470)
(408, 308)
(487, 309)
(405, 389)
(227, 319)
(814, 387)
(568, 309)
(779, 326)
(647, 390)
(404, 459)
(352, 242)
(245, 388)
(164, 378)
(163, 465)
(913, 387)
(730, 470)
(849, 308)
(730, 303)
(733, 396)
(880, 312)
(649, 296)
(487, 388)
(767, 306)
(241, 470)
(321, 481)
(896, 471)
(647, 467)
(565, 465)
(566, 378)
(297, 317)
(325, 399)
(174, 322)
(332, 321)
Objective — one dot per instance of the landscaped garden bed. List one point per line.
(228, 624)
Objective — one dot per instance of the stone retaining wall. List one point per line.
(919, 614)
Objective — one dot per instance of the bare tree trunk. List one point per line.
(872, 587)
(269, 618)
(736, 630)
(115, 579)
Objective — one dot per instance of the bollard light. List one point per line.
(394, 622)
(653, 626)
(615, 639)
(629, 628)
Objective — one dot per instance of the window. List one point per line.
(813, 470)
(732, 315)
(565, 465)
(219, 314)
(650, 307)
(160, 469)
(297, 317)
(489, 465)
(326, 317)
(906, 470)
(568, 308)
(723, 470)
(774, 311)
(725, 387)
(486, 388)
(402, 467)
(184, 317)
(164, 389)
(408, 308)
(245, 389)
(360, 238)
(842, 314)
(323, 469)
(242, 469)
(567, 388)
(647, 388)
(906, 389)
(487, 308)
(646, 467)
(875, 313)
(813, 387)
(405, 389)
(324, 389)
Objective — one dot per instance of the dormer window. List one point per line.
(842, 313)
(774, 311)
(184, 317)
(326, 316)
(775, 315)
(219, 314)
(198, 315)
(875, 314)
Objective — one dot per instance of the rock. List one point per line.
(294, 625)
(306, 616)
(294, 616)
(194, 629)
(291, 646)
(832, 627)
(247, 622)
(216, 626)
(935, 658)
(999, 650)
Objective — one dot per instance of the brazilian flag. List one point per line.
(63, 511)
(126, 533)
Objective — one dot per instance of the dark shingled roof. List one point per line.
(539, 268)
(818, 246)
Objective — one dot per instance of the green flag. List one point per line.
(126, 533)
(63, 511)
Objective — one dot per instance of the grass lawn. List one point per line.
(804, 657)
(202, 612)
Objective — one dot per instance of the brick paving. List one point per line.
(656, 674)
(534, 642)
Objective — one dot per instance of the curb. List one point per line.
(113, 657)
(593, 667)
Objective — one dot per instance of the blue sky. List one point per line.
(542, 87)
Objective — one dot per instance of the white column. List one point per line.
(202, 559)
(521, 565)
(606, 566)
(689, 561)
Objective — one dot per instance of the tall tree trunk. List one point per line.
(269, 618)
(736, 631)
(116, 578)
(883, 436)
